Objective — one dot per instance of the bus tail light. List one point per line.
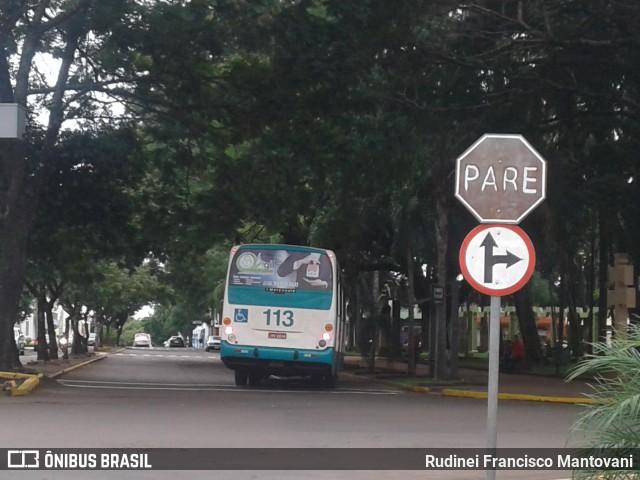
(228, 330)
(326, 336)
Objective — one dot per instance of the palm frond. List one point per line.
(614, 421)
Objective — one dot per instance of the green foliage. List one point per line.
(541, 291)
(113, 292)
(614, 422)
(192, 282)
(109, 337)
(164, 323)
(130, 329)
(326, 122)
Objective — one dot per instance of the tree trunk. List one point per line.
(51, 328)
(373, 331)
(66, 336)
(442, 241)
(79, 340)
(411, 295)
(454, 324)
(396, 329)
(13, 236)
(603, 275)
(43, 345)
(527, 322)
(575, 330)
(591, 282)
(98, 327)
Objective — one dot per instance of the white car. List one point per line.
(213, 343)
(175, 341)
(142, 340)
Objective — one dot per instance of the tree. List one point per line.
(88, 216)
(118, 292)
(75, 33)
(293, 117)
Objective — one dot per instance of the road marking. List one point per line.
(97, 384)
(140, 384)
(174, 356)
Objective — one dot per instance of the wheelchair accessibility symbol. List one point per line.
(241, 315)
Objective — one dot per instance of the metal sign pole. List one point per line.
(494, 368)
(505, 157)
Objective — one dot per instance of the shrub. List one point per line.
(614, 422)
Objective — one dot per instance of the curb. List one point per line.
(418, 389)
(410, 388)
(68, 369)
(29, 382)
(451, 392)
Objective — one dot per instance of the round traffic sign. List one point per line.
(497, 260)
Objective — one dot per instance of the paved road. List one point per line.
(180, 398)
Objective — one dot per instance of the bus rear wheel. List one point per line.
(254, 379)
(329, 380)
(241, 377)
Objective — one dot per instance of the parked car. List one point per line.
(142, 340)
(213, 343)
(175, 341)
(91, 341)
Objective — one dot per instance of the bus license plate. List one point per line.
(278, 335)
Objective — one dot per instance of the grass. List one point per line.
(421, 381)
(480, 361)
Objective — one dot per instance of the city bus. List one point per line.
(283, 314)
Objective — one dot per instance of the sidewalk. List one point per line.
(55, 368)
(473, 383)
(22, 383)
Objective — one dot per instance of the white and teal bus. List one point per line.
(283, 314)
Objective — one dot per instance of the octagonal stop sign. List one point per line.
(501, 178)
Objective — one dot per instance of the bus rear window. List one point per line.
(271, 273)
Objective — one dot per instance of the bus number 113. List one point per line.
(284, 318)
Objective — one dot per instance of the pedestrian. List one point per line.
(517, 354)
